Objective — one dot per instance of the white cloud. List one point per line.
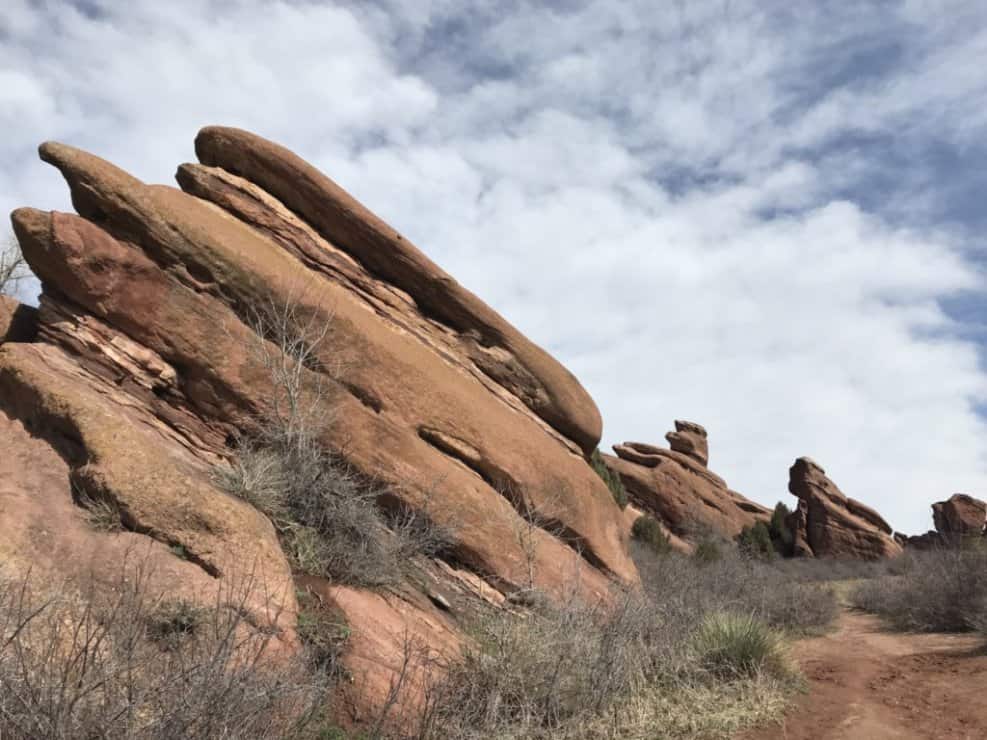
(661, 197)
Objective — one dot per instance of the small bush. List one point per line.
(731, 645)
(667, 662)
(322, 630)
(756, 541)
(708, 550)
(781, 536)
(648, 531)
(613, 481)
(327, 516)
(174, 620)
(938, 591)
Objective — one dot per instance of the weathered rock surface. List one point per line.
(959, 516)
(689, 439)
(829, 524)
(145, 365)
(957, 519)
(676, 488)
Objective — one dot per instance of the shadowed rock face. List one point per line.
(829, 524)
(675, 487)
(142, 369)
(956, 519)
(18, 323)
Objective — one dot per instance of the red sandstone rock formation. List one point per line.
(956, 519)
(829, 524)
(675, 487)
(142, 371)
(689, 439)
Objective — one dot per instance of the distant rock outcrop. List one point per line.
(676, 488)
(829, 524)
(142, 373)
(957, 519)
(959, 516)
(689, 439)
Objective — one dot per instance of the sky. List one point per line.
(765, 217)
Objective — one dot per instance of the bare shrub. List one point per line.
(531, 674)
(735, 584)
(977, 616)
(117, 660)
(13, 268)
(941, 590)
(811, 570)
(323, 630)
(667, 662)
(326, 514)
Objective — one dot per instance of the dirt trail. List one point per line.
(869, 684)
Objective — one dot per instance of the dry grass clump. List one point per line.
(733, 583)
(699, 653)
(731, 645)
(529, 675)
(327, 515)
(119, 661)
(328, 522)
(942, 590)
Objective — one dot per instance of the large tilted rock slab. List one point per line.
(829, 524)
(676, 488)
(410, 411)
(148, 361)
(492, 344)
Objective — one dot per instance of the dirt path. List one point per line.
(869, 684)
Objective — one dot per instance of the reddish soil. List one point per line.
(866, 683)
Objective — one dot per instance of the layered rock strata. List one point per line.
(148, 357)
(829, 524)
(677, 488)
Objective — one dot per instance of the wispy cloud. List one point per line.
(731, 212)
